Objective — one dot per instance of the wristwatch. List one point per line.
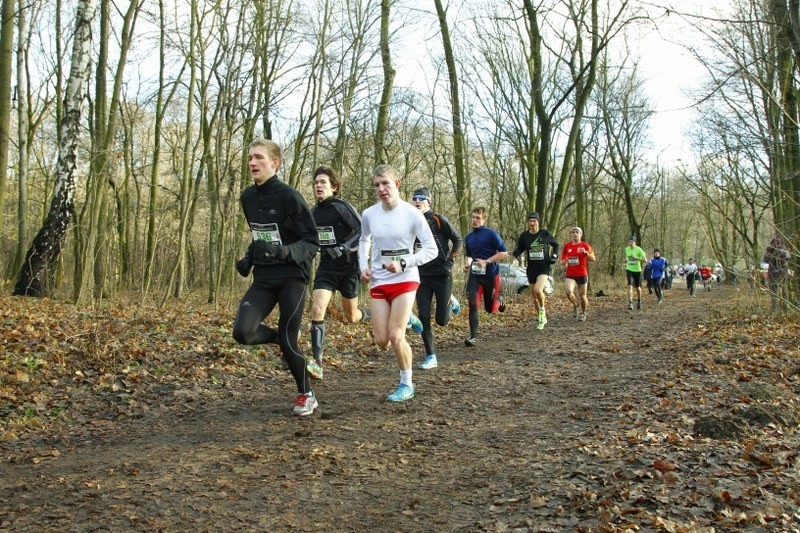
(403, 265)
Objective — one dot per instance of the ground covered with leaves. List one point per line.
(679, 417)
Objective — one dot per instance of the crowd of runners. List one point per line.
(405, 252)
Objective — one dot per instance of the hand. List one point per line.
(265, 250)
(366, 274)
(553, 259)
(335, 252)
(244, 265)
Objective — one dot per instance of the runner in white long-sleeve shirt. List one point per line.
(388, 262)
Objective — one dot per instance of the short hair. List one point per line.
(482, 211)
(273, 148)
(387, 171)
(332, 177)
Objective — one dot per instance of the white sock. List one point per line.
(405, 377)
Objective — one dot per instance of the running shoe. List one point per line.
(502, 306)
(404, 392)
(639, 305)
(542, 320)
(455, 305)
(660, 301)
(304, 404)
(583, 317)
(314, 368)
(472, 341)
(630, 306)
(429, 362)
(575, 311)
(414, 323)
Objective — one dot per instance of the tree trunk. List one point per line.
(459, 148)
(38, 271)
(22, 136)
(388, 85)
(7, 16)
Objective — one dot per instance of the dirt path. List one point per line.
(553, 430)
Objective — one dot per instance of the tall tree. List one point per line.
(7, 17)
(384, 108)
(36, 278)
(459, 142)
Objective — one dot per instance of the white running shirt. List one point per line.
(391, 235)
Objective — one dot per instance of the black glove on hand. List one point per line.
(335, 252)
(244, 265)
(553, 259)
(262, 250)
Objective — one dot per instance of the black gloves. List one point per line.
(335, 252)
(553, 259)
(265, 253)
(244, 265)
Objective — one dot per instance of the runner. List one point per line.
(690, 271)
(339, 228)
(635, 258)
(284, 243)
(575, 256)
(541, 251)
(436, 277)
(658, 267)
(483, 247)
(390, 228)
(705, 276)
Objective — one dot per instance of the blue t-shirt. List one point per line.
(483, 243)
(658, 265)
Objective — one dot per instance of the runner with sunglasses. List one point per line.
(436, 277)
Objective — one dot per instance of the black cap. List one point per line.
(632, 238)
(534, 214)
(422, 191)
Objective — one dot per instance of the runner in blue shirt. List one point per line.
(483, 247)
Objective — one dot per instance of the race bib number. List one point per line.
(632, 261)
(573, 261)
(475, 268)
(536, 252)
(387, 256)
(326, 235)
(266, 232)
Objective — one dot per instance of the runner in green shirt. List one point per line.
(635, 258)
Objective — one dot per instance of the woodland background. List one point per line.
(123, 127)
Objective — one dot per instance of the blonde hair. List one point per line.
(273, 149)
(386, 171)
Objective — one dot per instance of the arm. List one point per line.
(454, 237)
(364, 246)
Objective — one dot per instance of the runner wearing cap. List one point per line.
(575, 256)
(635, 259)
(541, 251)
(435, 276)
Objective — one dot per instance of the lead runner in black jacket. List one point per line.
(435, 276)
(339, 228)
(284, 243)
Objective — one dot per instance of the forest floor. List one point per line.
(679, 417)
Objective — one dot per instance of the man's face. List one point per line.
(322, 187)
(477, 220)
(262, 166)
(385, 188)
(421, 202)
(533, 225)
(631, 243)
(576, 234)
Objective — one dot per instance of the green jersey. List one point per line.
(634, 258)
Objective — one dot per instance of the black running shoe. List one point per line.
(471, 341)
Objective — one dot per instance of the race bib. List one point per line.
(632, 261)
(266, 232)
(536, 253)
(326, 235)
(573, 261)
(475, 268)
(387, 256)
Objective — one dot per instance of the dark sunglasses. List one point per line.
(419, 198)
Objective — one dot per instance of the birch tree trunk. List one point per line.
(37, 276)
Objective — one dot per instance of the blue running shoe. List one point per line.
(429, 362)
(414, 323)
(454, 305)
(403, 393)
